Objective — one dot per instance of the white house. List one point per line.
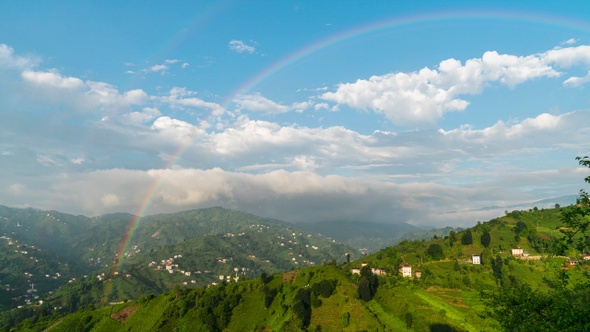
(475, 259)
(517, 252)
(378, 271)
(406, 271)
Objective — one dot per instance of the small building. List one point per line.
(574, 261)
(475, 259)
(517, 252)
(586, 257)
(418, 274)
(378, 272)
(406, 271)
(355, 270)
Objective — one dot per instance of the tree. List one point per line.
(302, 306)
(435, 251)
(368, 284)
(577, 218)
(364, 290)
(452, 238)
(497, 264)
(408, 319)
(485, 238)
(467, 238)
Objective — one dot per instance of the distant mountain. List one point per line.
(547, 203)
(370, 236)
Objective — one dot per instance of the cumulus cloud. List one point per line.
(86, 95)
(52, 79)
(258, 103)
(239, 46)
(422, 97)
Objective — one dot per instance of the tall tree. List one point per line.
(485, 238)
(467, 237)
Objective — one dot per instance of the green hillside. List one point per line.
(450, 294)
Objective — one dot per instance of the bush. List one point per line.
(345, 319)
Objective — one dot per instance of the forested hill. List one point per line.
(542, 285)
(69, 261)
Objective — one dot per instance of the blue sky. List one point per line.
(389, 111)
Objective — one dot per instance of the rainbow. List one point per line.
(309, 49)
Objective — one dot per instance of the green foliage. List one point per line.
(302, 306)
(368, 284)
(345, 319)
(485, 238)
(467, 238)
(564, 307)
(521, 308)
(325, 287)
(409, 320)
(435, 251)
(452, 238)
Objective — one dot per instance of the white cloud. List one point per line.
(8, 60)
(570, 41)
(258, 103)
(84, 95)
(321, 106)
(239, 46)
(156, 68)
(141, 117)
(424, 96)
(567, 56)
(164, 68)
(176, 130)
(301, 106)
(78, 161)
(178, 98)
(577, 81)
(110, 200)
(52, 79)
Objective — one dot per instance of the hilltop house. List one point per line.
(406, 271)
